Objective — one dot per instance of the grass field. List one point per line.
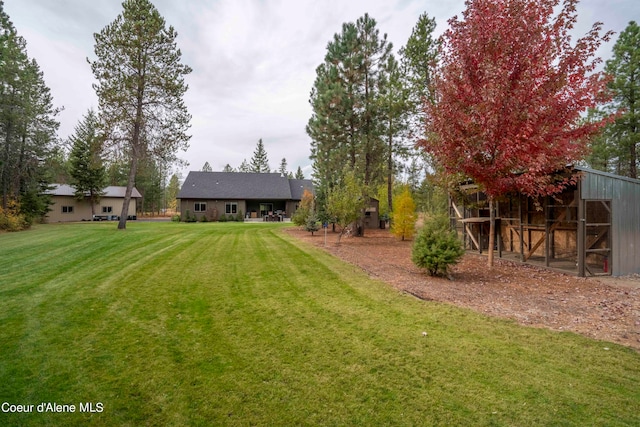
(236, 324)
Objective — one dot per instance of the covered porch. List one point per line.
(267, 210)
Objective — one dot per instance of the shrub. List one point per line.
(223, 218)
(175, 218)
(11, 219)
(312, 223)
(436, 247)
(188, 217)
(240, 216)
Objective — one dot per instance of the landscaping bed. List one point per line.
(604, 308)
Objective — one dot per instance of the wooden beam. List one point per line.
(551, 229)
(455, 208)
(470, 234)
(595, 239)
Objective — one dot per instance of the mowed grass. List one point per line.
(237, 324)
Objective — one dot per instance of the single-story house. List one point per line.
(66, 207)
(591, 228)
(255, 196)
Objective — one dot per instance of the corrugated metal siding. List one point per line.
(624, 194)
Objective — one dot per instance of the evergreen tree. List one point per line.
(172, 192)
(27, 125)
(345, 127)
(149, 182)
(117, 172)
(87, 170)
(419, 61)
(299, 174)
(394, 106)
(57, 166)
(283, 167)
(259, 162)
(244, 166)
(311, 223)
(228, 168)
(140, 87)
(624, 133)
(206, 167)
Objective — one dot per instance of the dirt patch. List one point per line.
(601, 308)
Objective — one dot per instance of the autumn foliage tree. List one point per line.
(403, 225)
(306, 208)
(510, 92)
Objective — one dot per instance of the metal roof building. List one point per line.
(592, 228)
(624, 196)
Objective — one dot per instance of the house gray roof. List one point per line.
(298, 186)
(242, 186)
(111, 191)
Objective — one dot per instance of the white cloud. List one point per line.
(253, 61)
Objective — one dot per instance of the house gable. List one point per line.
(242, 186)
(257, 195)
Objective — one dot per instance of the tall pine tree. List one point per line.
(347, 124)
(141, 88)
(624, 133)
(259, 162)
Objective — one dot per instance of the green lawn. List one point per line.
(237, 324)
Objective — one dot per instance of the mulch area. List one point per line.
(601, 308)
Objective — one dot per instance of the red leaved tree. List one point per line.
(510, 93)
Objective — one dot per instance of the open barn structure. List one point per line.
(590, 229)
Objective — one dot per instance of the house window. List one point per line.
(231, 208)
(67, 209)
(200, 207)
(107, 209)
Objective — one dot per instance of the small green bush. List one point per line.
(175, 218)
(188, 217)
(312, 223)
(223, 218)
(240, 216)
(436, 247)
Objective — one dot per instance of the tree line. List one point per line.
(259, 163)
(133, 138)
(378, 119)
(504, 97)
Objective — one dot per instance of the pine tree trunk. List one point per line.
(122, 224)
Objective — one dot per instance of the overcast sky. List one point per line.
(253, 61)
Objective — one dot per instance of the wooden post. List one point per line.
(492, 230)
(521, 230)
(581, 233)
(547, 231)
